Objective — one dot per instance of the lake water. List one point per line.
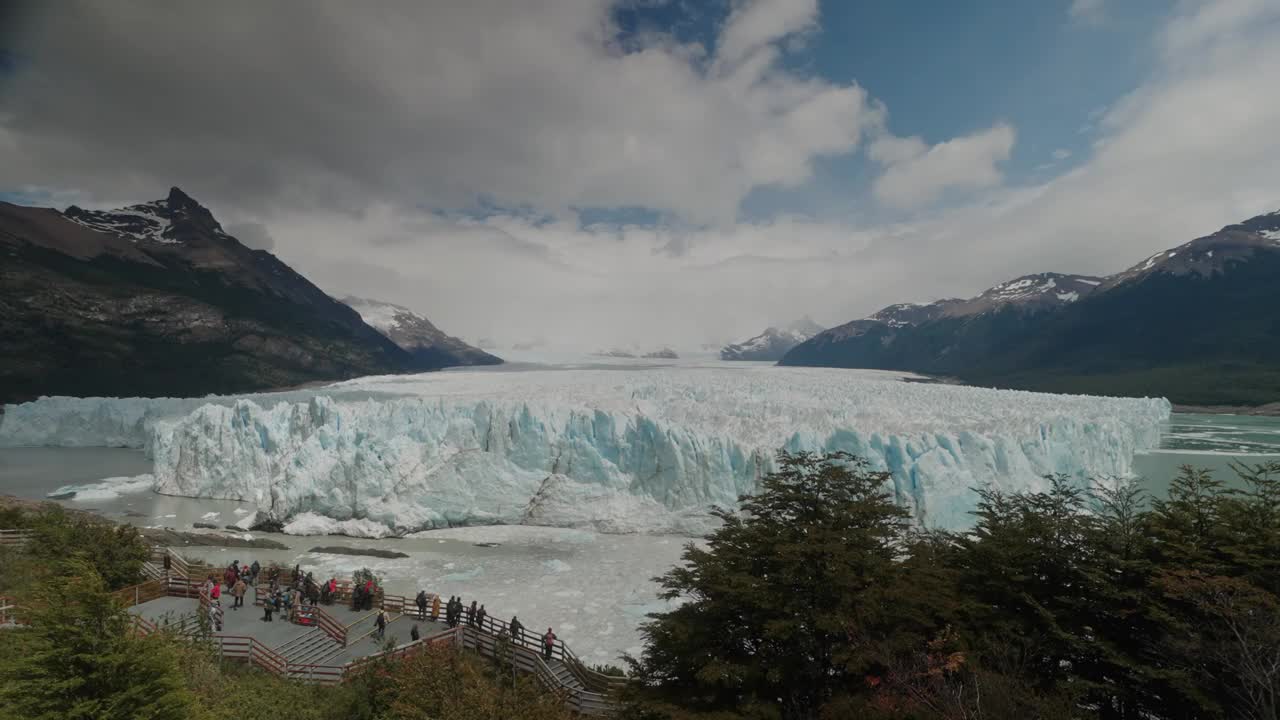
(594, 589)
(1213, 442)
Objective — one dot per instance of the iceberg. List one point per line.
(106, 489)
(631, 450)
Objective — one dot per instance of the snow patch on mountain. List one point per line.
(773, 343)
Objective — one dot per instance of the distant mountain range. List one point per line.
(157, 299)
(429, 346)
(773, 343)
(1198, 324)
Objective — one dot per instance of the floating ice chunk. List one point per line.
(309, 523)
(107, 489)
(556, 565)
(240, 511)
(210, 516)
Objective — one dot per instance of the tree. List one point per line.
(445, 682)
(789, 603)
(115, 552)
(80, 660)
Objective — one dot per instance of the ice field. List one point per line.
(619, 450)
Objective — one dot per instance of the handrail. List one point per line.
(15, 537)
(7, 608)
(583, 701)
(452, 634)
(326, 622)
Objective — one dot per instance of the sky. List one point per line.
(638, 173)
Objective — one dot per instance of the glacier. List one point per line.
(614, 450)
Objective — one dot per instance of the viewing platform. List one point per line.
(330, 643)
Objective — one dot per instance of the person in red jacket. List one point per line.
(548, 644)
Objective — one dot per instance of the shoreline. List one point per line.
(1267, 410)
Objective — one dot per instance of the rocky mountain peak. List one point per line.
(166, 221)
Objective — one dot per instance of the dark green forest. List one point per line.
(820, 600)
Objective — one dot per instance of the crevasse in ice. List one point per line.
(615, 450)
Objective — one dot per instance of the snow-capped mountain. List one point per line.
(157, 299)
(1196, 323)
(773, 343)
(415, 334)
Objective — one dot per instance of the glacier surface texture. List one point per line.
(637, 450)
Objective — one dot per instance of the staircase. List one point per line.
(152, 571)
(564, 676)
(311, 648)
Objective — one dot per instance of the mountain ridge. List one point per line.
(773, 343)
(1197, 323)
(157, 299)
(417, 335)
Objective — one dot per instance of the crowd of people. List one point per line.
(301, 591)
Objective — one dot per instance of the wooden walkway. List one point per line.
(337, 642)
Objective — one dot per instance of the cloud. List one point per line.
(340, 144)
(433, 104)
(1087, 11)
(252, 234)
(916, 174)
(1061, 154)
(755, 25)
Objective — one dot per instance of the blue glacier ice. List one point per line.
(641, 450)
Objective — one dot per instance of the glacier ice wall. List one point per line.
(615, 450)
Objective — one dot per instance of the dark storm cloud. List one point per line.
(332, 104)
(252, 234)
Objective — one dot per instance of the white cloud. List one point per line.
(423, 103)
(915, 174)
(541, 118)
(758, 23)
(1090, 11)
(1061, 154)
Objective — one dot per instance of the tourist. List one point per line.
(369, 589)
(422, 604)
(548, 644)
(215, 592)
(268, 607)
(414, 635)
(517, 630)
(471, 614)
(254, 569)
(237, 591)
(381, 622)
(435, 608)
(481, 614)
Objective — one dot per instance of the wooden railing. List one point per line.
(15, 537)
(325, 622)
(253, 652)
(8, 610)
(589, 678)
(527, 660)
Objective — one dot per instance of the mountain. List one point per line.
(1199, 324)
(157, 299)
(773, 343)
(414, 334)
